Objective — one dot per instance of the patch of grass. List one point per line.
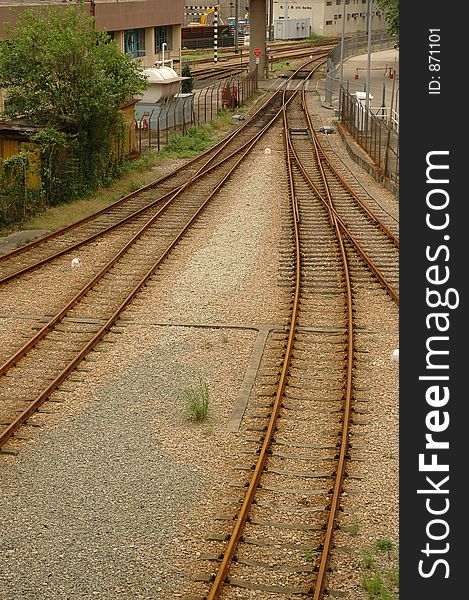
(383, 545)
(310, 555)
(379, 581)
(207, 345)
(133, 185)
(354, 527)
(207, 431)
(315, 36)
(196, 400)
(372, 584)
(368, 560)
(393, 577)
(224, 338)
(195, 141)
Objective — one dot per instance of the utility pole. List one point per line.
(368, 66)
(341, 80)
(271, 20)
(236, 41)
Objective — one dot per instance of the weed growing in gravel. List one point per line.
(354, 527)
(207, 345)
(368, 560)
(379, 580)
(372, 584)
(196, 398)
(310, 555)
(384, 545)
(394, 577)
(133, 185)
(207, 431)
(224, 338)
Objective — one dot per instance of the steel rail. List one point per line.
(340, 472)
(219, 146)
(11, 361)
(373, 267)
(42, 397)
(371, 215)
(243, 514)
(205, 168)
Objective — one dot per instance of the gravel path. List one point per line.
(119, 488)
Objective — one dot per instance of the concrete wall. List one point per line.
(115, 15)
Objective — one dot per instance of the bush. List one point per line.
(187, 84)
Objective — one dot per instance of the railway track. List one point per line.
(135, 205)
(278, 537)
(276, 52)
(130, 251)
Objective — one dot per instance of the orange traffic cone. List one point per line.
(356, 74)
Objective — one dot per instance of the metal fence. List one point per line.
(155, 129)
(375, 130)
(352, 46)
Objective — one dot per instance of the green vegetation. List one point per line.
(379, 579)
(310, 555)
(188, 84)
(354, 527)
(197, 139)
(368, 560)
(62, 75)
(390, 9)
(134, 173)
(384, 545)
(196, 400)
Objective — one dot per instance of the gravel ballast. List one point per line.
(113, 496)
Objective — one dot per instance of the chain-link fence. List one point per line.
(158, 123)
(377, 134)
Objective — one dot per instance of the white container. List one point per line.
(164, 84)
(291, 29)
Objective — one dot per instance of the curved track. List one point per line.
(303, 412)
(32, 371)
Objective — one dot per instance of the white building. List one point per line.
(325, 16)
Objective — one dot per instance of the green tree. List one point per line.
(187, 84)
(390, 9)
(60, 73)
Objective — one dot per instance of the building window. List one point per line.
(329, 3)
(328, 22)
(134, 42)
(338, 2)
(163, 36)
